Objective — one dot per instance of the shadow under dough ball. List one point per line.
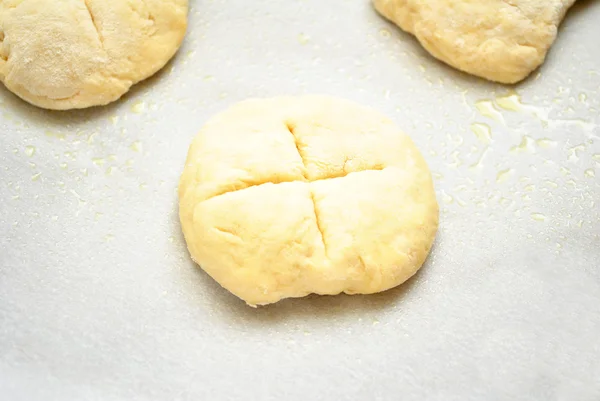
(73, 54)
(289, 196)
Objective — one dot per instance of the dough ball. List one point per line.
(289, 196)
(499, 40)
(72, 54)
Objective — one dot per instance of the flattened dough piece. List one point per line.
(500, 40)
(72, 54)
(289, 196)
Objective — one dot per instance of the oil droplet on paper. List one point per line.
(510, 102)
(590, 173)
(482, 131)
(596, 157)
(143, 185)
(574, 152)
(538, 217)
(447, 198)
(136, 146)
(545, 143)
(55, 135)
(138, 107)
(385, 33)
(109, 237)
(479, 163)
(36, 177)
(29, 150)
(456, 162)
(98, 161)
(80, 201)
(582, 97)
(526, 145)
(486, 108)
(303, 39)
(504, 175)
(63, 166)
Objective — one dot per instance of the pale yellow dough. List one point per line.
(500, 40)
(289, 196)
(71, 54)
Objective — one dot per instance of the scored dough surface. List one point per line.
(500, 40)
(79, 53)
(289, 196)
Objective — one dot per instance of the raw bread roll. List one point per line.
(72, 54)
(500, 40)
(289, 196)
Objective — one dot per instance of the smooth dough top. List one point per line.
(289, 196)
(500, 40)
(79, 53)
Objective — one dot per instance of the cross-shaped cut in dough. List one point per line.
(285, 197)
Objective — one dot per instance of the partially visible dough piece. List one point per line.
(500, 40)
(289, 196)
(72, 54)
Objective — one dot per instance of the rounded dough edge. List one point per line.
(216, 241)
(85, 53)
(496, 40)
